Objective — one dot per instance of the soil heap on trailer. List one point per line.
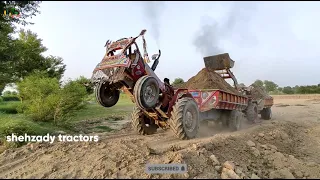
(208, 79)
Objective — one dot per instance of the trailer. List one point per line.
(258, 104)
(220, 106)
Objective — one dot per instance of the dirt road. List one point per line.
(287, 146)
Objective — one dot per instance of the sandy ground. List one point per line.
(287, 146)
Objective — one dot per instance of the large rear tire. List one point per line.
(146, 92)
(266, 113)
(252, 112)
(142, 124)
(184, 121)
(105, 95)
(235, 120)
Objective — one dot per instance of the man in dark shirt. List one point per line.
(166, 80)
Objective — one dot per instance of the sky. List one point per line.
(277, 41)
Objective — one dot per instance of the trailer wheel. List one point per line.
(184, 121)
(105, 95)
(252, 112)
(266, 113)
(235, 120)
(142, 124)
(146, 92)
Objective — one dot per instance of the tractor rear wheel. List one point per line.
(235, 120)
(141, 123)
(266, 113)
(252, 112)
(146, 92)
(106, 95)
(184, 121)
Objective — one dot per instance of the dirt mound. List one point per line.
(207, 79)
(285, 147)
(258, 92)
(266, 152)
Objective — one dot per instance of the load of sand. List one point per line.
(258, 92)
(208, 79)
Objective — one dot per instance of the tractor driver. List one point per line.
(167, 81)
(167, 96)
(170, 88)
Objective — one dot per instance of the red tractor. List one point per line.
(157, 103)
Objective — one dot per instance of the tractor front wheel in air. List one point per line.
(142, 124)
(146, 92)
(252, 112)
(266, 113)
(106, 95)
(184, 120)
(235, 120)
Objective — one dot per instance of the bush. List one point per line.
(70, 98)
(18, 130)
(9, 107)
(19, 127)
(83, 81)
(11, 98)
(44, 100)
(1, 99)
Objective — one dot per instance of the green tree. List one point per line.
(31, 58)
(258, 82)
(26, 9)
(8, 48)
(7, 54)
(19, 57)
(295, 89)
(270, 86)
(177, 82)
(26, 57)
(288, 90)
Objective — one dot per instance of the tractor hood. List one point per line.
(115, 59)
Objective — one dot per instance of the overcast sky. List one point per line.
(276, 41)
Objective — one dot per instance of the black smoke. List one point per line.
(211, 35)
(152, 11)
